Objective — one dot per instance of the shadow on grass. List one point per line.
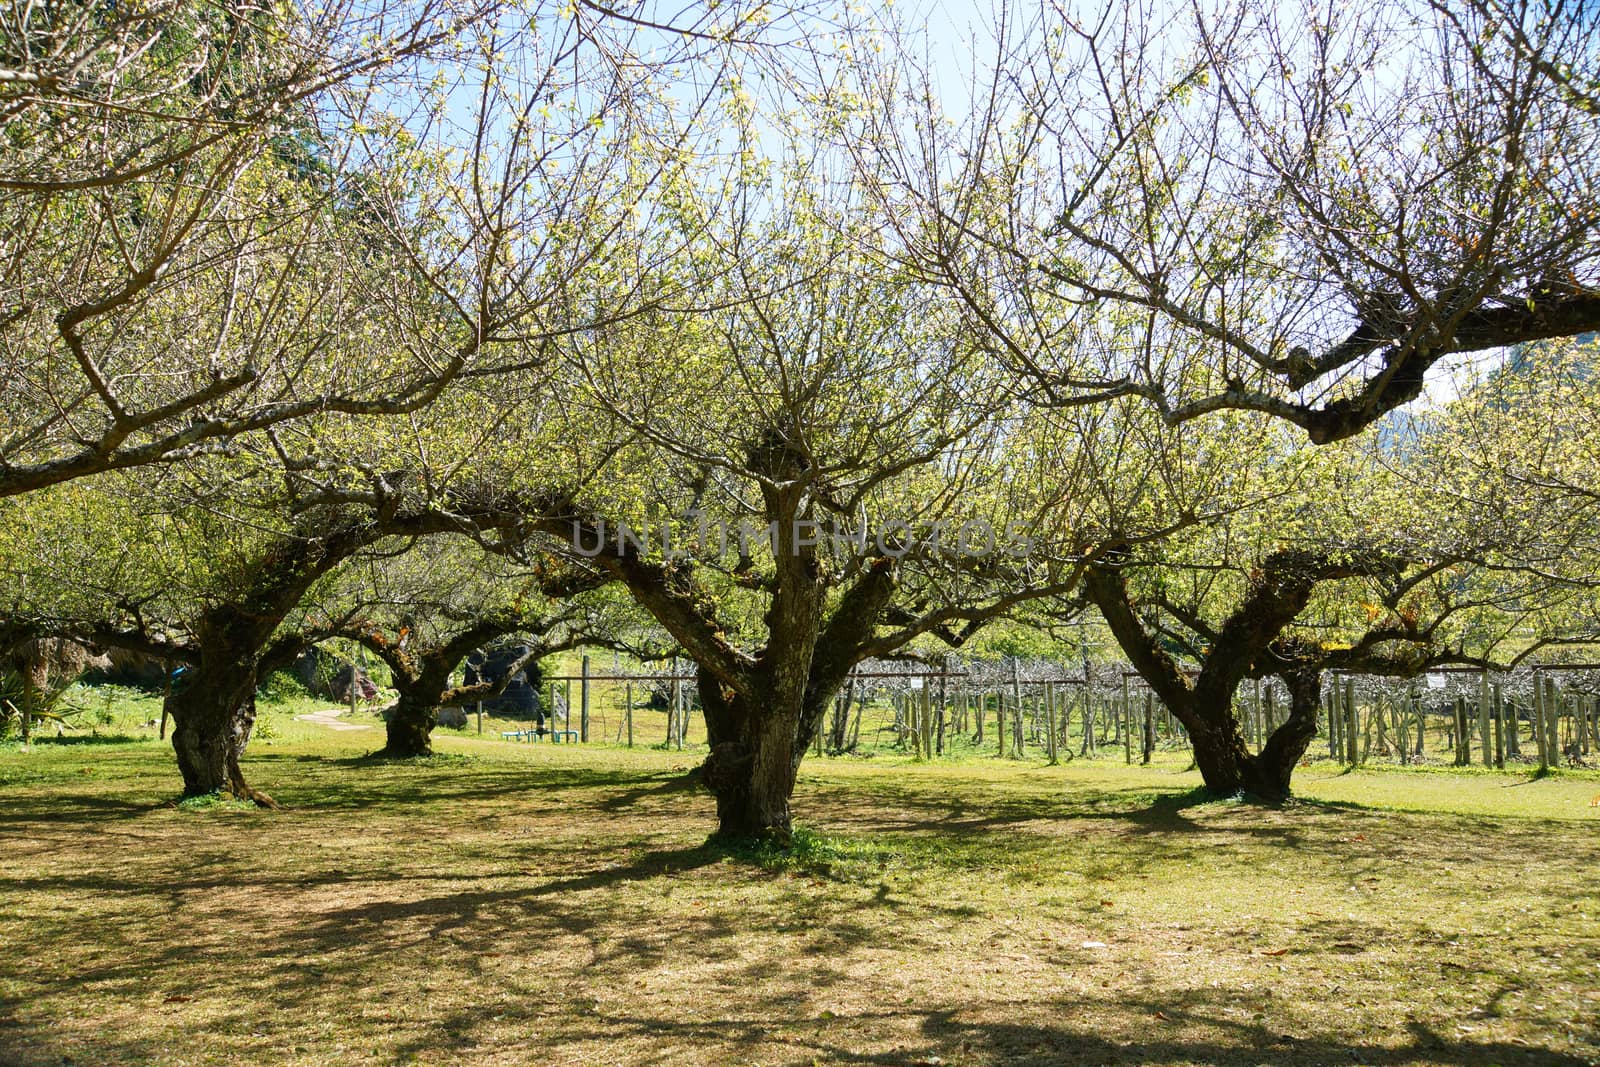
(69, 808)
(552, 905)
(332, 784)
(1025, 1044)
(82, 740)
(380, 758)
(1183, 1030)
(456, 910)
(1134, 1032)
(666, 785)
(1508, 826)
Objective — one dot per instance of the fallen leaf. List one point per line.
(1163, 1017)
(1274, 951)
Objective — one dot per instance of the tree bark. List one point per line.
(1220, 751)
(213, 714)
(1247, 642)
(764, 708)
(421, 681)
(421, 675)
(1278, 758)
(214, 707)
(760, 728)
(753, 761)
(1226, 764)
(408, 733)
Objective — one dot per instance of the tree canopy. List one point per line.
(417, 324)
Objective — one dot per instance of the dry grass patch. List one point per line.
(556, 905)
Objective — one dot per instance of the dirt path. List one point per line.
(331, 720)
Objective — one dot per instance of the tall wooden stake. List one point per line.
(583, 690)
(1352, 726)
(1483, 718)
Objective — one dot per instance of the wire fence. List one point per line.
(1545, 715)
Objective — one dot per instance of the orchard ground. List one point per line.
(505, 903)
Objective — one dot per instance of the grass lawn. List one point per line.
(508, 903)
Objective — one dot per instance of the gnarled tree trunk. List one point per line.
(212, 725)
(214, 708)
(763, 709)
(753, 760)
(1220, 752)
(408, 733)
(423, 681)
(1225, 760)
(1288, 743)
(1249, 641)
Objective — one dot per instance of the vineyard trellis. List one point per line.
(1542, 714)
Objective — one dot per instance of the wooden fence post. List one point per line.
(1499, 727)
(673, 703)
(1149, 726)
(1127, 724)
(1352, 726)
(944, 709)
(1553, 706)
(1050, 721)
(583, 696)
(1330, 707)
(927, 718)
(1404, 727)
(1552, 713)
(1016, 709)
(1088, 721)
(1260, 714)
(1538, 721)
(1483, 718)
